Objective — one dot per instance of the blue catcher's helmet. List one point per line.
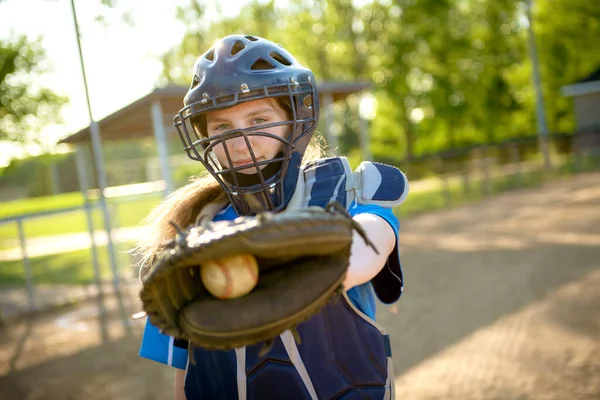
(238, 69)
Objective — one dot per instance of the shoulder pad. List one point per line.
(327, 179)
(380, 184)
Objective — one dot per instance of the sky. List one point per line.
(120, 61)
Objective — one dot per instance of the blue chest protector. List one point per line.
(344, 354)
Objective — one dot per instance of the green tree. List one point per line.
(568, 39)
(256, 18)
(445, 73)
(25, 107)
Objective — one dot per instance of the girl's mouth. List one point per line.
(246, 162)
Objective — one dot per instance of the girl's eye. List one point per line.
(221, 127)
(259, 121)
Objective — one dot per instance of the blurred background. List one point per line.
(492, 109)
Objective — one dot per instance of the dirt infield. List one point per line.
(502, 301)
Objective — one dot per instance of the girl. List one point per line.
(249, 118)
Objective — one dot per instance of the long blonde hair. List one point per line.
(183, 206)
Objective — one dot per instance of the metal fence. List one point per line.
(457, 176)
(437, 181)
(24, 257)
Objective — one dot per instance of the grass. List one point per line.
(67, 268)
(39, 204)
(123, 213)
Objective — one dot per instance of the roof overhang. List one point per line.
(135, 121)
(581, 89)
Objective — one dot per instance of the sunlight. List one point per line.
(367, 106)
(416, 115)
(121, 61)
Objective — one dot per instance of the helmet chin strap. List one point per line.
(248, 180)
(252, 197)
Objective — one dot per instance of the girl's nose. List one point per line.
(238, 144)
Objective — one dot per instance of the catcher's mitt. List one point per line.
(302, 258)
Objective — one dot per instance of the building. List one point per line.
(586, 104)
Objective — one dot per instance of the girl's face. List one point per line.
(248, 115)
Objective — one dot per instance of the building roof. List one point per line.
(588, 85)
(135, 120)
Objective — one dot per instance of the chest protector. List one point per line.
(343, 354)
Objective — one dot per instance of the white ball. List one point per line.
(230, 277)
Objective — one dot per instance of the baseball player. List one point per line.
(249, 118)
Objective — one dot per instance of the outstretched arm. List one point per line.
(365, 264)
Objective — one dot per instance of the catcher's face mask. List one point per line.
(246, 135)
(248, 117)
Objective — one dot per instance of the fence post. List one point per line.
(515, 159)
(466, 180)
(445, 186)
(578, 155)
(28, 273)
(485, 182)
(88, 209)
(55, 178)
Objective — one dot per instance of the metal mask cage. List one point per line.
(300, 96)
(230, 174)
(268, 175)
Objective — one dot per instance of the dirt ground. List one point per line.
(501, 301)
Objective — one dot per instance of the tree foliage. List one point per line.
(25, 107)
(445, 73)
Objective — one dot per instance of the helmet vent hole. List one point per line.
(307, 102)
(195, 81)
(261, 64)
(251, 38)
(280, 59)
(237, 47)
(210, 56)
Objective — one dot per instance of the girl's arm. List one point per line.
(365, 264)
(178, 392)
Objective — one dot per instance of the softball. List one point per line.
(230, 277)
